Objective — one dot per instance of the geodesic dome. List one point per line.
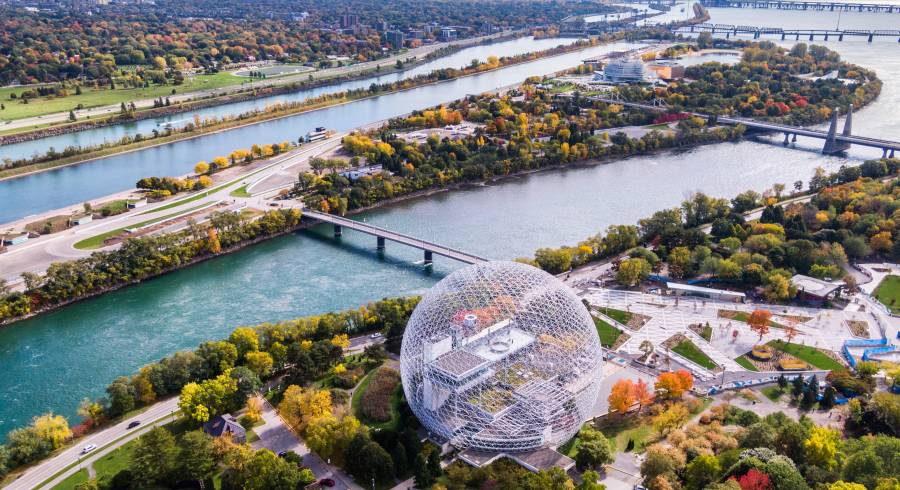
(501, 356)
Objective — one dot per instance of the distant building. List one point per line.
(667, 70)
(359, 172)
(349, 20)
(814, 290)
(417, 33)
(714, 294)
(383, 26)
(622, 71)
(226, 425)
(395, 39)
(448, 34)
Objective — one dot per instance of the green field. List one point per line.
(810, 355)
(101, 97)
(608, 333)
(74, 479)
(687, 349)
(240, 192)
(888, 292)
(620, 316)
(745, 363)
(115, 461)
(773, 393)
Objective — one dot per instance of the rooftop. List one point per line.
(459, 363)
(815, 287)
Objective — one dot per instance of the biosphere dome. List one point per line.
(501, 356)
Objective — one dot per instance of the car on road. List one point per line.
(376, 335)
(88, 448)
(326, 482)
(134, 424)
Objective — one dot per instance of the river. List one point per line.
(74, 184)
(53, 361)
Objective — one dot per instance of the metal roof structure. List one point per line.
(501, 357)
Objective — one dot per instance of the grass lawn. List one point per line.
(240, 192)
(635, 429)
(706, 332)
(745, 363)
(74, 479)
(96, 241)
(810, 355)
(660, 126)
(91, 97)
(620, 316)
(608, 333)
(687, 349)
(115, 461)
(772, 392)
(888, 292)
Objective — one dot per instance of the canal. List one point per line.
(53, 361)
(71, 185)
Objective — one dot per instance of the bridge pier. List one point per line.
(826, 36)
(338, 231)
(428, 257)
(870, 37)
(782, 36)
(786, 138)
(884, 153)
(892, 154)
(841, 37)
(794, 138)
(380, 243)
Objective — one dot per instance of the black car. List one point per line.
(134, 424)
(327, 482)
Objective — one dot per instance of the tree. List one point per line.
(593, 451)
(821, 447)
(755, 480)
(590, 480)
(244, 340)
(632, 271)
(52, 428)
(642, 394)
(759, 322)
(264, 470)
(366, 460)
(672, 418)
(400, 460)
(646, 348)
(622, 396)
(421, 474)
(154, 457)
(196, 456)
(201, 401)
(702, 470)
(842, 485)
(121, 396)
(259, 362)
(674, 384)
(300, 406)
(201, 168)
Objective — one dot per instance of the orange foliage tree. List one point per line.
(759, 322)
(642, 394)
(622, 396)
(674, 384)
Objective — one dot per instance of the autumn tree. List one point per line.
(642, 394)
(632, 271)
(622, 396)
(759, 322)
(674, 384)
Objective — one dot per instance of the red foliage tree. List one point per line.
(755, 480)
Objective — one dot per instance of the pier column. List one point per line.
(794, 138)
(870, 37)
(428, 258)
(884, 153)
(841, 37)
(782, 36)
(892, 154)
(337, 230)
(380, 245)
(786, 138)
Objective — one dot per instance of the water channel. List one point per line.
(53, 361)
(71, 185)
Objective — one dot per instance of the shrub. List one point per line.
(376, 400)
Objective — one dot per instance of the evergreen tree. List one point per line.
(421, 474)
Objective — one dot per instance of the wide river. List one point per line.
(51, 362)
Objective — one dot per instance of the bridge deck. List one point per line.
(393, 236)
(767, 126)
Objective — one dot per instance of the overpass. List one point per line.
(787, 33)
(382, 234)
(834, 142)
(820, 5)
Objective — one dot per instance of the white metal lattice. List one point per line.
(501, 356)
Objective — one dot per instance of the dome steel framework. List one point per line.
(501, 356)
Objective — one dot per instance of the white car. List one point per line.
(88, 448)
(375, 335)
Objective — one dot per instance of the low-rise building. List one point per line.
(13, 238)
(702, 292)
(81, 220)
(814, 290)
(359, 172)
(667, 70)
(226, 425)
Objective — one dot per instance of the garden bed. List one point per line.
(633, 321)
(683, 346)
(858, 328)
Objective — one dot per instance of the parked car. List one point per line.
(326, 482)
(88, 448)
(134, 424)
(375, 335)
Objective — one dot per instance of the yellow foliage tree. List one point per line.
(52, 428)
(201, 168)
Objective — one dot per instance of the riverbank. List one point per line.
(281, 111)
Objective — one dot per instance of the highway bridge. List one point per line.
(382, 234)
(787, 33)
(823, 5)
(834, 142)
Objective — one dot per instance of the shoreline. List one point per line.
(302, 110)
(425, 193)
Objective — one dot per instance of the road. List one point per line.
(416, 53)
(106, 440)
(37, 254)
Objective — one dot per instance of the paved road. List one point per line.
(158, 413)
(37, 254)
(417, 53)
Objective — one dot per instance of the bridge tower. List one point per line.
(833, 146)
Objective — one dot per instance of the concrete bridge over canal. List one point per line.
(381, 235)
(821, 5)
(834, 142)
(788, 33)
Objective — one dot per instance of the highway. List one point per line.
(106, 440)
(37, 254)
(109, 110)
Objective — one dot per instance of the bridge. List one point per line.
(834, 142)
(822, 5)
(810, 34)
(382, 234)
